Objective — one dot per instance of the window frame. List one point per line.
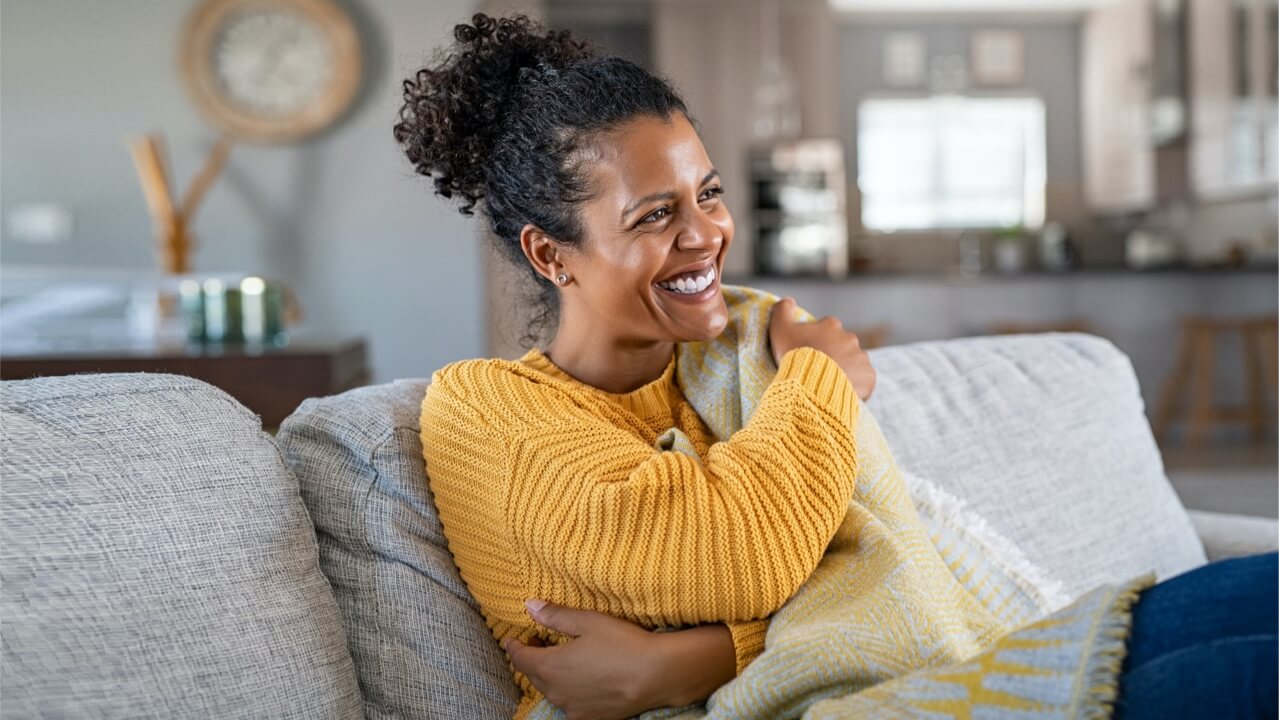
(1034, 184)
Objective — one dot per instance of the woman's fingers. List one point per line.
(570, 621)
(520, 653)
(527, 659)
(779, 322)
(784, 310)
(786, 332)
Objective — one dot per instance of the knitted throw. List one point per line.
(900, 619)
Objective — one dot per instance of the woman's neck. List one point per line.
(609, 364)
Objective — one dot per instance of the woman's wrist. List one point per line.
(690, 665)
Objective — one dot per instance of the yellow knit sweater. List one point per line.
(549, 488)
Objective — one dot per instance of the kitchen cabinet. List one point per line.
(1117, 97)
(1234, 98)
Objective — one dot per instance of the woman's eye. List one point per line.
(656, 215)
(711, 193)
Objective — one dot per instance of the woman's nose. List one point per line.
(699, 233)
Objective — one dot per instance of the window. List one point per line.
(951, 162)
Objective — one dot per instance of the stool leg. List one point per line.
(1202, 404)
(1174, 387)
(1267, 347)
(1254, 383)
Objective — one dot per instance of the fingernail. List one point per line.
(506, 643)
(535, 606)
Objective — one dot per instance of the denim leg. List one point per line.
(1204, 644)
(1217, 680)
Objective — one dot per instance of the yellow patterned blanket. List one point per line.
(900, 619)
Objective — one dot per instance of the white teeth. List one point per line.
(690, 286)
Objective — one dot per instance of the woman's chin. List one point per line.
(697, 316)
(706, 327)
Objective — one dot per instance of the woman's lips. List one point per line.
(711, 290)
(690, 280)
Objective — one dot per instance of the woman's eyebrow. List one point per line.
(665, 195)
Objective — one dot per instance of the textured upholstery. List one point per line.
(419, 643)
(156, 560)
(1045, 436)
(1226, 536)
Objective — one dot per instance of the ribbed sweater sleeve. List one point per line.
(748, 641)
(604, 520)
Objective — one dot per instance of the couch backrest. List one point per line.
(1044, 436)
(156, 559)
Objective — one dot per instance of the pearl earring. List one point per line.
(561, 278)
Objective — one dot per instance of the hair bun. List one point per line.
(453, 111)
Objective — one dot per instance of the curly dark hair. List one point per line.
(501, 121)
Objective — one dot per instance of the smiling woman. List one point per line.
(589, 504)
(594, 179)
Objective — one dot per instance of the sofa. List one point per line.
(162, 556)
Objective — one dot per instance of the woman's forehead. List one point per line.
(649, 155)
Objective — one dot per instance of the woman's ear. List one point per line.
(544, 253)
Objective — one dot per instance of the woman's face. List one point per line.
(655, 234)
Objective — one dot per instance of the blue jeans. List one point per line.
(1203, 644)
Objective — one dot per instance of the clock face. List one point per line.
(273, 62)
(271, 70)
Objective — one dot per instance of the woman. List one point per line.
(544, 470)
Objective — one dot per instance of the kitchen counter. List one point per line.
(1139, 311)
(1034, 273)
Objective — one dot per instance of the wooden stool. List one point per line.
(1194, 370)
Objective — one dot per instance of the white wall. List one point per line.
(341, 218)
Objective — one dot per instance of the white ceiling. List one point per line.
(934, 6)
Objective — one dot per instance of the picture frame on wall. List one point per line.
(997, 57)
(904, 59)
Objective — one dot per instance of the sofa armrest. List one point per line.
(1227, 536)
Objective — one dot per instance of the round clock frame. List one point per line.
(200, 70)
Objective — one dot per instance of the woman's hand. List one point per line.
(614, 669)
(785, 333)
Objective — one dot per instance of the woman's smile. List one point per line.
(689, 282)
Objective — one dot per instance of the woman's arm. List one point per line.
(665, 538)
(613, 669)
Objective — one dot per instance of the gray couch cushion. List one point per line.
(419, 642)
(156, 560)
(1045, 436)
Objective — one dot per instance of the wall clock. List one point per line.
(271, 70)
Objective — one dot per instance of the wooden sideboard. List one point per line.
(270, 380)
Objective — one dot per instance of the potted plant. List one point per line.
(1010, 251)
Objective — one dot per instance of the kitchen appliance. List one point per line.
(799, 208)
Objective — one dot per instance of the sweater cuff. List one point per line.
(824, 379)
(748, 640)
